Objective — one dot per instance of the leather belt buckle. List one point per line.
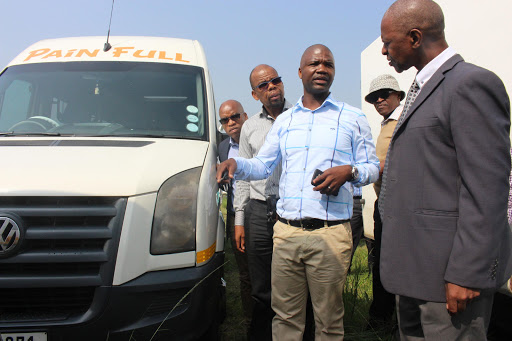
(310, 224)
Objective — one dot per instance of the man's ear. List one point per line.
(416, 38)
(255, 95)
(300, 73)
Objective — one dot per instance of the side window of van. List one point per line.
(15, 104)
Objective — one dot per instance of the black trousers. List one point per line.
(500, 327)
(243, 269)
(258, 246)
(383, 304)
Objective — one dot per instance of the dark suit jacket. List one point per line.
(447, 186)
(224, 147)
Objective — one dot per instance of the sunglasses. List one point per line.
(233, 117)
(264, 85)
(384, 94)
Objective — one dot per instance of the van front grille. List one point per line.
(67, 250)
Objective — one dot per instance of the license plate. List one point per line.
(23, 337)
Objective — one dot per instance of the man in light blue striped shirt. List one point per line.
(312, 239)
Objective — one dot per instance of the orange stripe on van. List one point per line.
(203, 256)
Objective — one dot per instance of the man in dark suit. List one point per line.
(232, 117)
(446, 241)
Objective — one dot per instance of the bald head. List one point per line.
(424, 15)
(268, 88)
(231, 104)
(412, 33)
(232, 117)
(314, 49)
(262, 68)
(317, 74)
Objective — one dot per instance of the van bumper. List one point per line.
(178, 300)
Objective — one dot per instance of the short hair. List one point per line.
(425, 15)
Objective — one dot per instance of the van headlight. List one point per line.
(174, 222)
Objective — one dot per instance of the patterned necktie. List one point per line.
(411, 97)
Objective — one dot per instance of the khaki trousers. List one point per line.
(314, 260)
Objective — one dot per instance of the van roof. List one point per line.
(124, 48)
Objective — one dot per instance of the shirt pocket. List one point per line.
(333, 141)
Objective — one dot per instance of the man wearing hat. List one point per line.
(385, 95)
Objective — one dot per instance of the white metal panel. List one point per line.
(133, 257)
(207, 203)
(96, 170)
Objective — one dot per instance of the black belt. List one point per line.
(312, 224)
(357, 197)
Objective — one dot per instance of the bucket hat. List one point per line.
(384, 82)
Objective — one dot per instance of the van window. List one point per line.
(104, 99)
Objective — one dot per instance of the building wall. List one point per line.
(480, 31)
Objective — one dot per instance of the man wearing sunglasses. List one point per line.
(312, 237)
(232, 117)
(255, 200)
(385, 95)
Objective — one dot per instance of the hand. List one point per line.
(330, 181)
(228, 166)
(381, 168)
(458, 297)
(240, 238)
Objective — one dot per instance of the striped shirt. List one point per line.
(252, 137)
(303, 140)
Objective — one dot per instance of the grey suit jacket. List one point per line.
(445, 207)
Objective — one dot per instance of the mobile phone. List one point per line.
(224, 185)
(317, 173)
(225, 175)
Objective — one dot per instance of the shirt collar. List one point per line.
(232, 142)
(428, 71)
(394, 115)
(264, 114)
(328, 101)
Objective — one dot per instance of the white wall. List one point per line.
(481, 31)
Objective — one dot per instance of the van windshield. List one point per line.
(103, 99)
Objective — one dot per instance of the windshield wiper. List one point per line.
(128, 135)
(29, 134)
(158, 136)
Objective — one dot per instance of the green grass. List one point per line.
(357, 298)
(233, 328)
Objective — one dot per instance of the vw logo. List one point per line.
(10, 234)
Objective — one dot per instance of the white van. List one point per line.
(109, 208)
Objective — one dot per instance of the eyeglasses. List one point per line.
(384, 94)
(233, 117)
(264, 85)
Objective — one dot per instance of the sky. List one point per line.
(236, 35)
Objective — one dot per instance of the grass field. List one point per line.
(357, 298)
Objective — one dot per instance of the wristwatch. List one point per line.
(355, 174)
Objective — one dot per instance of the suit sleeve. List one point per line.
(479, 115)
